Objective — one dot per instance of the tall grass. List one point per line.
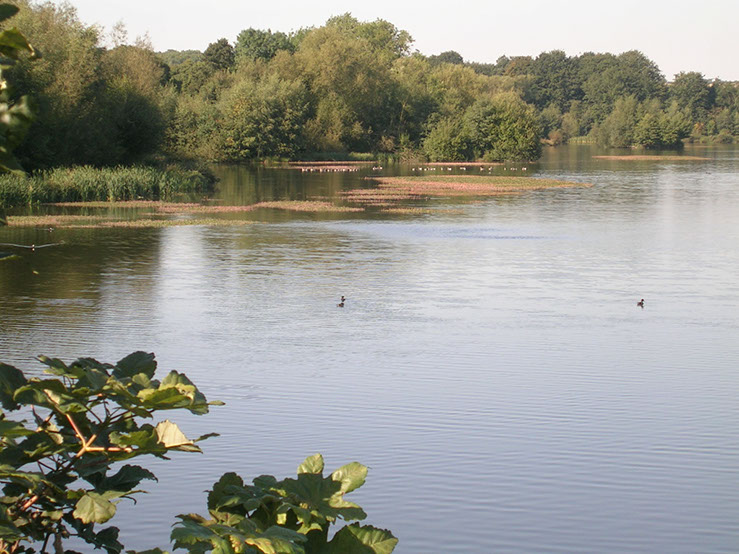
(87, 184)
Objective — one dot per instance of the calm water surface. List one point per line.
(490, 366)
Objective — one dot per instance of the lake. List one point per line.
(490, 365)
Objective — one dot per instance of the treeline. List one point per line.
(347, 86)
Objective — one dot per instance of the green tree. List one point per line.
(262, 119)
(190, 77)
(220, 54)
(450, 56)
(618, 128)
(16, 113)
(252, 44)
(133, 76)
(550, 119)
(648, 131)
(555, 80)
(610, 78)
(675, 126)
(503, 127)
(693, 93)
(446, 141)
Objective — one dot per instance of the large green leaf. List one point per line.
(13, 429)
(362, 540)
(351, 476)
(127, 478)
(316, 500)
(312, 464)
(94, 508)
(172, 438)
(135, 363)
(11, 379)
(50, 393)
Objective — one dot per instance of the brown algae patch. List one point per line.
(417, 211)
(469, 185)
(53, 220)
(326, 168)
(156, 223)
(88, 222)
(641, 158)
(119, 204)
(462, 164)
(306, 206)
(328, 163)
(201, 209)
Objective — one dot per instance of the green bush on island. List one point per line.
(64, 469)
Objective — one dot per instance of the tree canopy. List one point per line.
(345, 86)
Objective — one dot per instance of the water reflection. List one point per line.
(490, 366)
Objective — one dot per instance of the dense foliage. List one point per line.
(16, 113)
(347, 86)
(64, 468)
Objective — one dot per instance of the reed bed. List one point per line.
(90, 184)
(643, 157)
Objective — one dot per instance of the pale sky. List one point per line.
(701, 37)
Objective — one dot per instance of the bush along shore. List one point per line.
(87, 184)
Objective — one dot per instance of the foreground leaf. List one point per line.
(94, 508)
(362, 540)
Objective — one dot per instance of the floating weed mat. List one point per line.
(289, 205)
(118, 204)
(156, 223)
(461, 164)
(307, 206)
(392, 191)
(53, 220)
(329, 163)
(469, 185)
(642, 158)
(420, 211)
(88, 222)
(326, 168)
(201, 209)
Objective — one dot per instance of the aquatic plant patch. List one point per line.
(642, 158)
(306, 206)
(469, 185)
(90, 184)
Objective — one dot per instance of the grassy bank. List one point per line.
(89, 184)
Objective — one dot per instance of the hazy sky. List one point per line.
(702, 37)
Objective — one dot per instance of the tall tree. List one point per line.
(220, 54)
(253, 44)
(693, 93)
